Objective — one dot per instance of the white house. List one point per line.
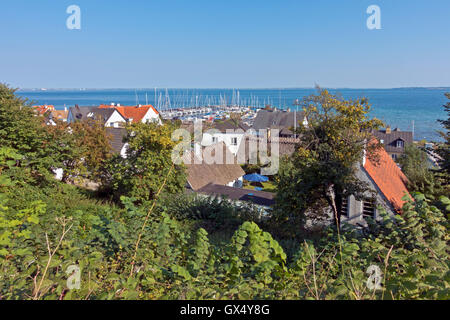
(231, 132)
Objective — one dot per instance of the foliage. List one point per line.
(212, 213)
(415, 165)
(149, 251)
(86, 148)
(148, 161)
(323, 168)
(23, 131)
(174, 262)
(443, 175)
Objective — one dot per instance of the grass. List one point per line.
(267, 187)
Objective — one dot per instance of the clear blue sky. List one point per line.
(218, 44)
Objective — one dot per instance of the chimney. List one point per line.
(388, 130)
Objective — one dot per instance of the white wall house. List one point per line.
(116, 120)
(151, 116)
(231, 139)
(230, 132)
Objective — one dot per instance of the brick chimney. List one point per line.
(388, 130)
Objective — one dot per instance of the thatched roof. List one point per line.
(286, 147)
(201, 171)
(277, 119)
(116, 137)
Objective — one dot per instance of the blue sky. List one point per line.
(224, 44)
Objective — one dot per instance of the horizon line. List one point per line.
(230, 88)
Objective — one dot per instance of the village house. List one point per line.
(386, 181)
(108, 116)
(115, 116)
(283, 120)
(253, 147)
(136, 114)
(394, 141)
(229, 131)
(201, 171)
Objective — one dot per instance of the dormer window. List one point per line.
(400, 144)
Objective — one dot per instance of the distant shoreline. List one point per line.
(204, 88)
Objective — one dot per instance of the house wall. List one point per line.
(115, 120)
(226, 138)
(355, 207)
(151, 116)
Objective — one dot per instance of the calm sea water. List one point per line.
(396, 107)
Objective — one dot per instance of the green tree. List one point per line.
(86, 148)
(323, 168)
(443, 175)
(415, 165)
(23, 131)
(147, 165)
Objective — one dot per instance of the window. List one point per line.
(400, 144)
(234, 141)
(344, 208)
(214, 139)
(394, 156)
(368, 207)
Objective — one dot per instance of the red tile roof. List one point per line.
(43, 109)
(132, 112)
(388, 177)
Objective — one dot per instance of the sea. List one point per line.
(409, 109)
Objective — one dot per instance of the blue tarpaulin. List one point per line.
(254, 177)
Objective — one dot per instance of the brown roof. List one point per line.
(390, 139)
(116, 136)
(286, 146)
(277, 119)
(388, 177)
(257, 197)
(229, 124)
(202, 174)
